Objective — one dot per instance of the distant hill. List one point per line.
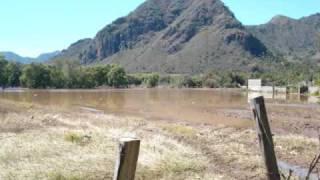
(25, 60)
(293, 38)
(172, 36)
(15, 57)
(47, 56)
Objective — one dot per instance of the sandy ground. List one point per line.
(52, 143)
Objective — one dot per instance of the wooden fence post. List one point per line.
(126, 162)
(265, 137)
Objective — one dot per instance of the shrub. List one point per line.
(77, 138)
(210, 80)
(117, 77)
(151, 80)
(191, 82)
(134, 80)
(165, 79)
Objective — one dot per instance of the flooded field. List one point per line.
(188, 134)
(194, 106)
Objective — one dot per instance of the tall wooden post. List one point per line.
(126, 162)
(265, 137)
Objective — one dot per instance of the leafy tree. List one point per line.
(13, 73)
(3, 74)
(210, 80)
(35, 75)
(100, 74)
(87, 79)
(152, 80)
(117, 77)
(73, 78)
(81, 78)
(134, 80)
(57, 77)
(239, 78)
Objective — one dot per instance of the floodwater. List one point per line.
(190, 105)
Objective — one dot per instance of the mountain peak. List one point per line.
(281, 20)
(172, 36)
(292, 38)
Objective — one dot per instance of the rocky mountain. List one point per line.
(172, 36)
(25, 60)
(294, 38)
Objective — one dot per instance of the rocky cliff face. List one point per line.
(294, 38)
(173, 36)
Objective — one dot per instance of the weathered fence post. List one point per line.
(126, 162)
(265, 137)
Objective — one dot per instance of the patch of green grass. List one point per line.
(77, 138)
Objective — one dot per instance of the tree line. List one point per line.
(71, 75)
(37, 75)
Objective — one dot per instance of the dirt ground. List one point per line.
(52, 143)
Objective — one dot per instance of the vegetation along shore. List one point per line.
(75, 76)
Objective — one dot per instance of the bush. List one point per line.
(134, 80)
(117, 77)
(165, 79)
(100, 74)
(151, 80)
(210, 80)
(191, 82)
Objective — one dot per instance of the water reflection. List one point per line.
(285, 98)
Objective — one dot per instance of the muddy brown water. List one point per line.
(189, 105)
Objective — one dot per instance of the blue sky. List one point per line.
(31, 27)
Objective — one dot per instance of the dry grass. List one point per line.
(81, 145)
(43, 143)
(181, 130)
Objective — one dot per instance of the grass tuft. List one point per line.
(77, 138)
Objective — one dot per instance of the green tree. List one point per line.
(35, 75)
(57, 77)
(152, 80)
(87, 79)
(3, 74)
(73, 78)
(117, 77)
(210, 80)
(13, 71)
(100, 74)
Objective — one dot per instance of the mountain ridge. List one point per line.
(172, 36)
(25, 60)
(292, 38)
